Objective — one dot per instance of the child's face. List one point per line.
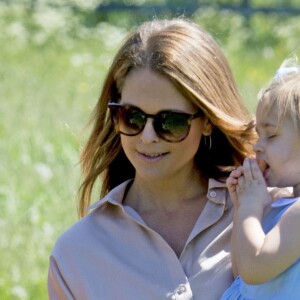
(278, 150)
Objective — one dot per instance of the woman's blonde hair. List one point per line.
(190, 58)
(283, 94)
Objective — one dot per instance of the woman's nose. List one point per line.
(148, 135)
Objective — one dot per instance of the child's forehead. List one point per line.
(267, 115)
(266, 106)
(280, 101)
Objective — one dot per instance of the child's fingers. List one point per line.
(240, 169)
(247, 169)
(231, 181)
(241, 181)
(252, 170)
(237, 172)
(256, 171)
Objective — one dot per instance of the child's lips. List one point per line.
(262, 165)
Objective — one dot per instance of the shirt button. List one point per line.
(212, 194)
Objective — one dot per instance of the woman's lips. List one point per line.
(152, 157)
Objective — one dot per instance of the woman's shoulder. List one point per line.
(76, 234)
(103, 216)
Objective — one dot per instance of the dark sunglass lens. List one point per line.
(131, 120)
(173, 126)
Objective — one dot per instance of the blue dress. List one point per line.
(286, 285)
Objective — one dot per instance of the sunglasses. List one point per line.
(171, 126)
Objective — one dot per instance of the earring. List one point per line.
(209, 142)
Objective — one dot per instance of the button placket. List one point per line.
(179, 292)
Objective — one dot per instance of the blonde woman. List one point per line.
(168, 128)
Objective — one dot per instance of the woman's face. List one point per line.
(152, 157)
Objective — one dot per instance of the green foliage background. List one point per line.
(53, 59)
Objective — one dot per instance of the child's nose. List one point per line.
(258, 147)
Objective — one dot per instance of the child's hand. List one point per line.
(231, 184)
(251, 188)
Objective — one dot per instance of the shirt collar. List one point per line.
(216, 193)
(115, 196)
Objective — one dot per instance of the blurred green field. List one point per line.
(50, 76)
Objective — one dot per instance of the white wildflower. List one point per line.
(18, 292)
(44, 171)
(50, 19)
(48, 230)
(17, 30)
(80, 59)
(34, 215)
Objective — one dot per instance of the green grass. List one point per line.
(49, 86)
(47, 94)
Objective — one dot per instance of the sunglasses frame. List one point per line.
(113, 105)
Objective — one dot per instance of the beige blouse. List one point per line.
(112, 254)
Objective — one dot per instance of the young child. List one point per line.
(266, 246)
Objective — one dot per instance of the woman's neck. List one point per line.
(171, 209)
(144, 195)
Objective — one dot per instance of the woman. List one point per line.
(167, 130)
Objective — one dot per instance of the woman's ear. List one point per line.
(207, 127)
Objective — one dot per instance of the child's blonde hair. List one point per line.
(283, 94)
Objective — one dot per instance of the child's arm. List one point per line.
(261, 257)
(231, 184)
